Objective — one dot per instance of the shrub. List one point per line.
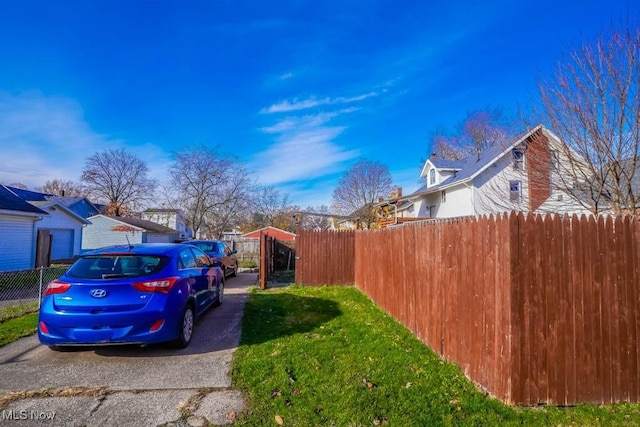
(248, 263)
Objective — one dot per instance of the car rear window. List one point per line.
(114, 266)
(205, 246)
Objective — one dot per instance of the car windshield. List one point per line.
(114, 266)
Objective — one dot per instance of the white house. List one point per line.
(18, 221)
(115, 230)
(172, 218)
(518, 176)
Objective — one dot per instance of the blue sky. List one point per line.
(299, 90)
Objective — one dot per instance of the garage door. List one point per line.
(16, 243)
(62, 245)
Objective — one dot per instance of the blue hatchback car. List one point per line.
(137, 294)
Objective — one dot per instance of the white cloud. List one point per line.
(308, 121)
(44, 138)
(286, 76)
(305, 155)
(295, 104)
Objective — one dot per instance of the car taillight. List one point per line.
(56, 287)
(157, 325)
(161, 285)
(43, 328)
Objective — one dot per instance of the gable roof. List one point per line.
(142, 224)
(9, 201)
(45, 206)
(267, 229)
(470, 167)
(70, 201)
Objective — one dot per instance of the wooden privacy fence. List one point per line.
(534, 310)
(325, 257)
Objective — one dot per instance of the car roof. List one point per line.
(137, 249)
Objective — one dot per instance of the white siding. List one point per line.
(458, 202)
(104, 231)
(491, 193)
(17, 243)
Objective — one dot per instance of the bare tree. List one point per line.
(210, 188)
(118, 178)
(234, 198)
(269, 207)
(593, 104)
(18, 185)
(360, 188)
(479, 130)
(59, 187)
(313, 218)
(267, 204)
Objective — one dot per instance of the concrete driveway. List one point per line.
(129, 385)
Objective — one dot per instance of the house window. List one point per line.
(515, 190)
(444, 196)
(432, 176)
(518, 158)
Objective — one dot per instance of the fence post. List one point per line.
(40, 287)
(263, 261)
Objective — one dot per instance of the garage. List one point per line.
(18, 254)
(62, 243)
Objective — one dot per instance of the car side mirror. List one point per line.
(234, 251)
(216, 264)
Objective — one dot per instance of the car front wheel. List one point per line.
(186, 329)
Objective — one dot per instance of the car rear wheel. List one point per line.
(186, 329)
(234, 271)
(220, 294)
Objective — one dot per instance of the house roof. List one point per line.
(142, 224)
(275, 229)
(46, 206)
(28, 195)
(10, 201)
(469, 167)
(70, 201)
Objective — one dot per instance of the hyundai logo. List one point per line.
(98, 293)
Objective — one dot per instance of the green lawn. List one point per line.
(328, 356)
(17, 327)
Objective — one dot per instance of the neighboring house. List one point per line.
(394, 210)
(67, 217)
(519, 176)
(171, 218)
(116, 230)
(80, 205)
(65, 228)
(231, 236)
(18, 231)
(278, 233)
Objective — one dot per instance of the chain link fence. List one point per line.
(21, 291)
